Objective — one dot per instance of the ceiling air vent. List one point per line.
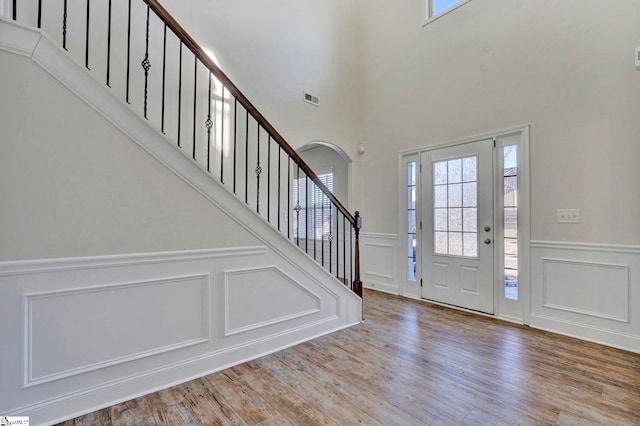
(311, 99)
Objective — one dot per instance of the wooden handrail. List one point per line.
(195, 48)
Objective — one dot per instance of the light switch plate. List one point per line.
(568, 215)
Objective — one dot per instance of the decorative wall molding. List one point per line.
(46, 311)
(378, 258)
(602, 248)
(245, 292)
(27, 267)
(595, 278)
(78, 356)
(587, 290)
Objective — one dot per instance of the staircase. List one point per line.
(130, 61)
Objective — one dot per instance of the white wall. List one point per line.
(566, 68)
(276, 50)
(74, 185)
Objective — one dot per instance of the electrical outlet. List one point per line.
(568, 215)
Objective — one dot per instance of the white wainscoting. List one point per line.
(84, 333)
(589, 291)
(378, 254)
(246, 291)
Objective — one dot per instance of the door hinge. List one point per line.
(494, 142)
(421, 225)
(420, 282)
(420, 167)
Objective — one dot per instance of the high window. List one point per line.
(436, 8)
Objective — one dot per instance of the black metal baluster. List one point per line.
(313, 218)
(222, 138)
(344, 248)
(39, 13)
(235, 141)
(128, 48)
(297, 207)
(164, 75)
(246, 159)
(180, 95)
(64, 24)
(322, 230)
(289, 196)
(269, 178)
(337, 243)
(351, 255)
(279, 181)
(258, 172)
(195, 99)
(209, 124)
(331, 237)
(86, 49)
(109, 45)
(306, 214)
(146, 65)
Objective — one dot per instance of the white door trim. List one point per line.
(512, 311)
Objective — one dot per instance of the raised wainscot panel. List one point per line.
(378, 260)
(75, 331)
(589, 288)
(246, 292)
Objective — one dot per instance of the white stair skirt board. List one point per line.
(69, 355)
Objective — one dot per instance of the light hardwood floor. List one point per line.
(409, 363)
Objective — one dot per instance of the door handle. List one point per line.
(487, 240)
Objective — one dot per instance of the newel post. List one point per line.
(357, 284)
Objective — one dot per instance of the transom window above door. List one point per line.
(437, 8)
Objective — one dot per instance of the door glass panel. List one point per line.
(440, 220)
(455, 213)
(455, 195)
(455, 220)
(455, 170)
(510, 215)
(440, 198)
(455, 243)
(470, 222)
(440, 173)
(441, 243)
(470, 194)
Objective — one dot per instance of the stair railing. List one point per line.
(183, 93)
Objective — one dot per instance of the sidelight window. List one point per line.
(510, 221)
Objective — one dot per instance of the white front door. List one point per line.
(457, 221)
